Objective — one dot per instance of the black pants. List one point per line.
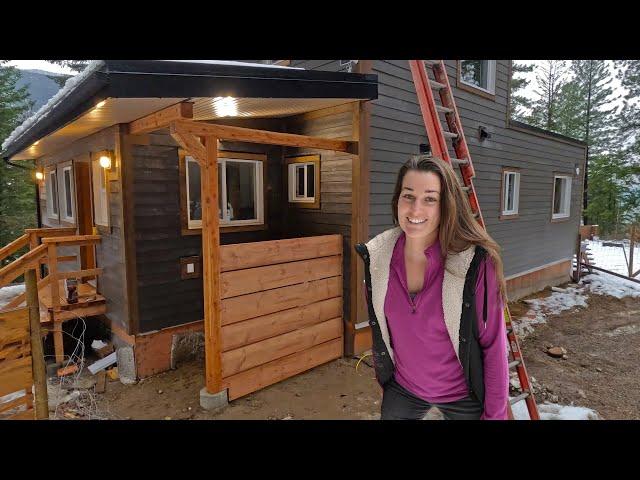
(400, 404)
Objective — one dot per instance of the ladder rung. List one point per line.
(476, 215)
(437, 85)
(459, 161)
(520, 397)
(450, 135)
(442, 109)
(466, 189)
(514, 363)
(431, 63)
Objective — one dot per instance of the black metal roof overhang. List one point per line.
(172, 79)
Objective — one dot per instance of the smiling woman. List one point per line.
(436, 297)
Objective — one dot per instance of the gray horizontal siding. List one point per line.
(397, 129)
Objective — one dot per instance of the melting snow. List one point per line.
(9, 292)
(553, 411)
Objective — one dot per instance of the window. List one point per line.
(240, 191)
(52, 193)
(510, 192)
(100, 192)
(68, 207)
(478, 74)
(303, 175)
(561, 196)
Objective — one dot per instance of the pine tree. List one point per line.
(549, 85)
(75, 65)
(629, 74)
(519, 105)
(17, 191)
(585, 111)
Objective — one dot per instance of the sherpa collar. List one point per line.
(456, 266)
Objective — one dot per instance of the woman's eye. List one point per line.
(430, 200)
(408, 197)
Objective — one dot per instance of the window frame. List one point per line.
(103, 205)
(490, 91)
(68, 167)
(194, 227)
(515, 212)
(567, 199)
(51, 201)
(290, 181)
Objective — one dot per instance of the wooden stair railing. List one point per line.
(47, 253)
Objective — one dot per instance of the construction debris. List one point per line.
(103, 363)
(101, 348)
(101, 382)
(113, 373)
(557, 352)
(68, 370)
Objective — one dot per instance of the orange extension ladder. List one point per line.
(438, 137)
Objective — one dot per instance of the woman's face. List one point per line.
(419, 204)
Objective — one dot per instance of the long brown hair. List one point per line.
(458, 228)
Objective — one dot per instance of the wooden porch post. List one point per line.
(211, 266)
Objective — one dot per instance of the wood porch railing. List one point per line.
(43, 249)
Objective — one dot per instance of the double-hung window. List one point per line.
(478, 74)
(52, 193)
(561, 196)
(510, 192)
(68, 194)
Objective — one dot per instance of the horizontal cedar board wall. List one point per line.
(397, 128)
(279, 298)
(334, 214)
(164, 298)
(15, 362)
(262, 376)
(110, 251)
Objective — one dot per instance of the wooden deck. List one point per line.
(89, 303)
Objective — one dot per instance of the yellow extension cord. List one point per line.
(362, 358)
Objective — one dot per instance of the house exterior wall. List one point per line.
(397, 129)
(164, 299)
(110, 252)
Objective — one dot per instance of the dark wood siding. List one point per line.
(110, 253)
(334, 214)
(164, 299)
(397, 129)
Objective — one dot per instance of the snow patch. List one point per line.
(9, 293)
(554, 411)
(239, 64)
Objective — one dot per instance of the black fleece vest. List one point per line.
(469, 351)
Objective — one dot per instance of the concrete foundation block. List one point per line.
(213, 401)
(126, 365)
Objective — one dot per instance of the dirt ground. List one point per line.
(601, 371)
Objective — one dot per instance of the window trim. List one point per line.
(490, 92)
(95, 161)
(224, 227)
(51, 201)
(515, 213)
(68, 167)
(306, 159)
(561, 216)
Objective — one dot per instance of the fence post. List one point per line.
(631, 245)
(578, 270)
(37, 351)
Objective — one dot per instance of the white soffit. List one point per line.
(114, 111)
(205, 108)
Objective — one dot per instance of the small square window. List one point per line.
(561, 196)
(479, 74)
(304, 180)
(510, 192)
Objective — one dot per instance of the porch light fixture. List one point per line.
(225, 106)
(39, 175)
(105, 161)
